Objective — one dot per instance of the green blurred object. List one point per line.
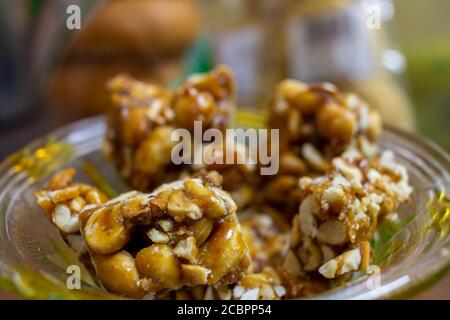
(421, 29)
(429, 79)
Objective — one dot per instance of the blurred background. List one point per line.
(395, 53)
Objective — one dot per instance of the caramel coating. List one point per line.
(143, 115)
(190, 235)
(339, 213)
(105, 232)
(225, 249)
(310, 223)
(160, 266)
(62, 200)
(322, 116)
(117, 272)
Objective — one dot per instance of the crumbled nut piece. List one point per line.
(65, 194)
(94, 197)
(166, 224)
(292, 265)
(251, 294)
(307, 221)
(195, 275)
(350, 172)
(309, 254)
(61, 179)
(265, 285)
(214, 206)
(328, 270)
(157, 236)
(332, 232)
(179, 206)
(349, 261)
(187, 249)
(158, 204)
(77, 204)
(65, 220)
(63, 200)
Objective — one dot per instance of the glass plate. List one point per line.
(412, 255)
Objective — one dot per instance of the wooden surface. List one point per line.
(440, 291)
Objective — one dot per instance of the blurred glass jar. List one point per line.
(34, 34)
(247, 36)
(344, 41)
(46, 61)
(13, 60)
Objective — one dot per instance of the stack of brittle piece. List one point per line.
(224, 231)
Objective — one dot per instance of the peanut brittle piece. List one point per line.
(62, 200)
(143, 116)
(318, 122)
(339, 212)
(184, 234)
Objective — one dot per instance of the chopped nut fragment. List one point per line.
(179, 207)
(166, 224)
(292, 265)
(187, 249)
(65, 220)
(63, 200)
(348, 261)
(195, 275)
(251, 294)
(313, 157)
(307, 221)
(61, 195)
(157, 236)
(332, 232)
(328, 270)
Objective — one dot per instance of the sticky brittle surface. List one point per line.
(183, 234)
(339, 212)
(271, 237)
(143, 116)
